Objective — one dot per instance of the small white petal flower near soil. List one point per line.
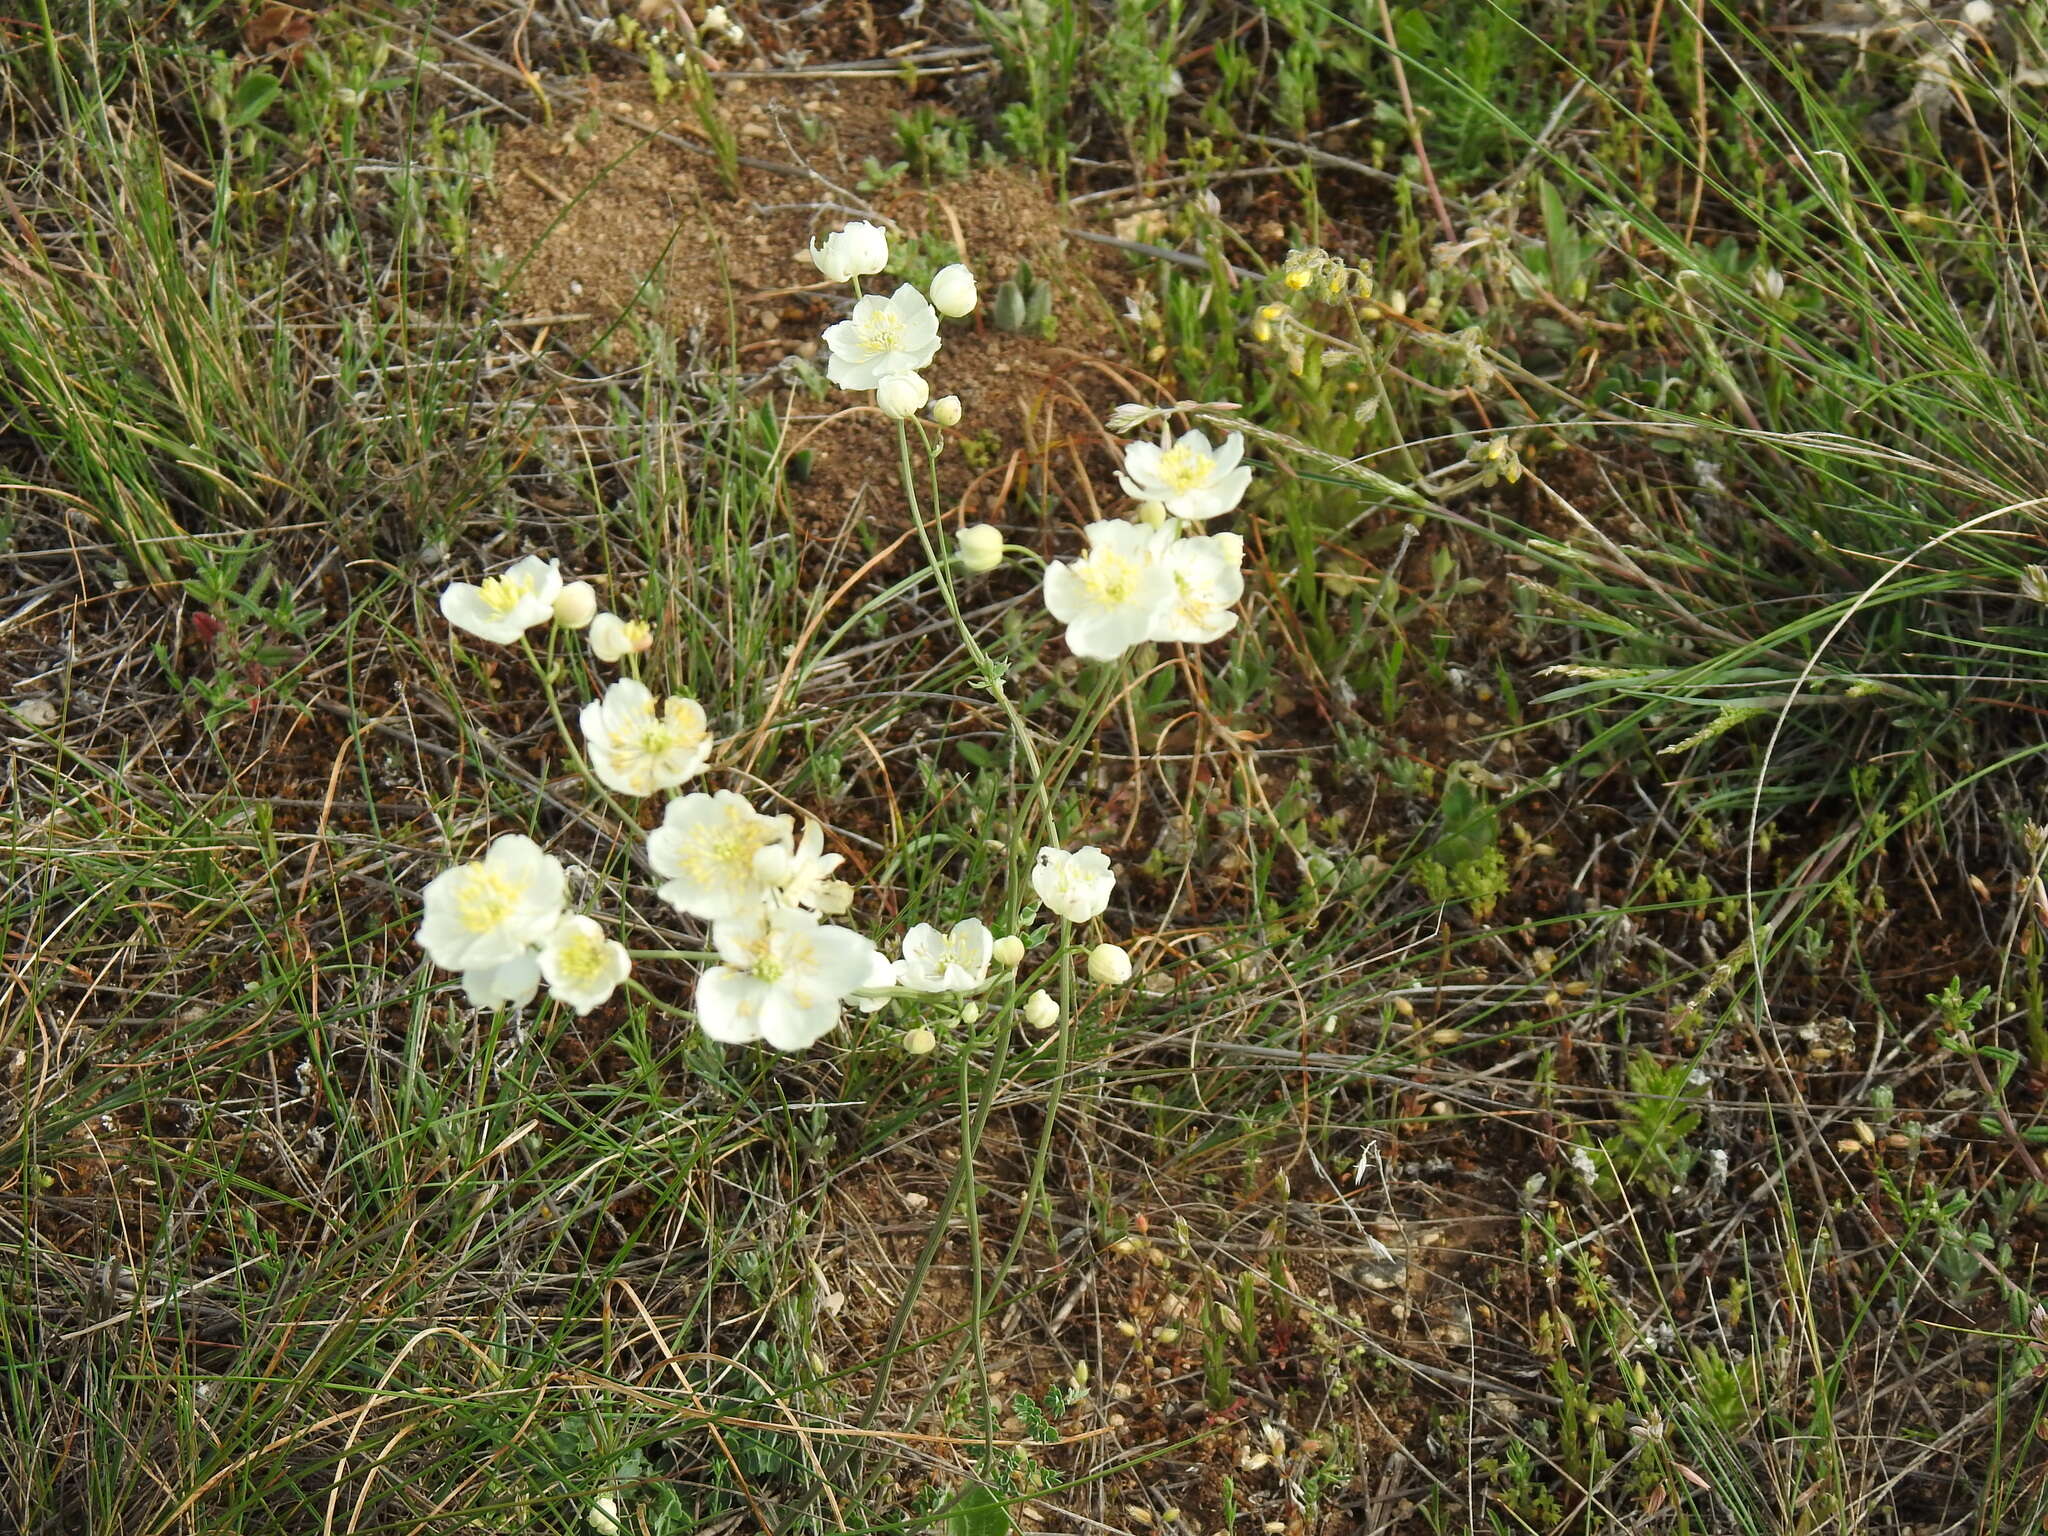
(603, 1514)
(1109, 964)
(800, 875)
(704, 851)
(874, 994)
(638, 747)
(582, 965)
(860, 249)
(1108, 598)
(507, 605)
(956, 961)
(900, 396)
(1190, 479)
(981, 547)
(612, 638)
(1206, 584)
(1075, 886)
(899, 334)
(511, 985)
(1040, 1011)
(784, 977)
(576, 605)
(953, 291)
(494, 910)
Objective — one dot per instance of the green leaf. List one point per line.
(259, 88)
(1562, 241)
(978, 1512)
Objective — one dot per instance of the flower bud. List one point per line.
(1152, 514)
(576, 605)
(900, 396)
(981, 547)
(1008, 951)
(919, 1042)
(946, 410)
(970, 1013)
(1040, 1011)
(953, 292)
(1109, 965)
(612, 638)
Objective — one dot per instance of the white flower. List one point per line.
(1109, 964)
(704, 850)
(483, 914)
(1008, 952)
(511, 985)
(603, 1514)
(1190, 479)
(860, 249)
(719, 21)
(576, 605)
(899, 334)
(946, 411)
(1206, 584)
(613, 638)
(900, 396)
(1075, 885)
(953, 291)
(636, 748)
(784, 977)
(800, 874)
(1040, 1011)
(1107, 598)
(582, 966)
(981, 547)
(873, 995)
(946, 962)
(507, 606)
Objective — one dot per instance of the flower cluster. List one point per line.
(886, 343)
(782, 972)
(1152, 579)
(500, 922)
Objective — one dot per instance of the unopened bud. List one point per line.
(1109, 964)
(576, 605)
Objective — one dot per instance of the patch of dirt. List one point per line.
(611, 212)
(605, 215)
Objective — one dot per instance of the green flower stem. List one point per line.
(991, 673)
(972, 1125)
(547, 682)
